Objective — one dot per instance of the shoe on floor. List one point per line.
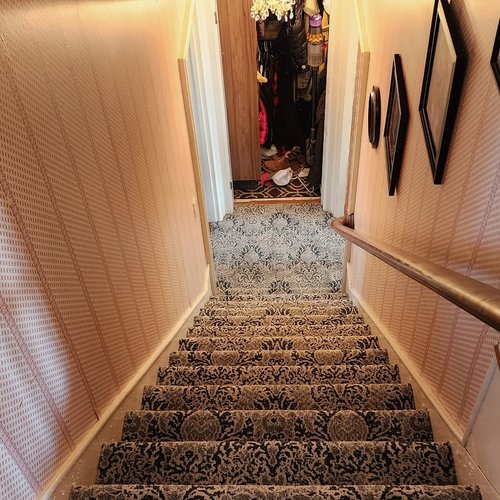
(273, 166)
(291, 159)
(266, 153)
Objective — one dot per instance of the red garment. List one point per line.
(262, 123)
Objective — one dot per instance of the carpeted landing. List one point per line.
(277, 248)
(277, 399)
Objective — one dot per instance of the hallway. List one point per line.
(104, 252)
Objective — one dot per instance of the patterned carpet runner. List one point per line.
(277, 392)
(277, 248)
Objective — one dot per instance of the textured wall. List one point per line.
(100, 250)
(457, 224)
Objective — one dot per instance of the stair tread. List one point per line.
(289, 358)
(261, 397)
(245, 492)
(260, 375)
(279, 330)
(277, 462)
(278, 343)
(342, 425)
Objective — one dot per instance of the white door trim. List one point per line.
(202, 54)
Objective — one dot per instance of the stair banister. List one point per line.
(478, 299)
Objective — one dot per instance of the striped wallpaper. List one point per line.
(456, 224)
(101, 252)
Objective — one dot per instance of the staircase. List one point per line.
(277, 396)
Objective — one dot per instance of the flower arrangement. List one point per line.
(261, 9)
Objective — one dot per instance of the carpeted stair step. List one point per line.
(343, 425)
(279, 397)
(276, 462)
(279, 287)
(264, 274)
(295, 275)
(278, 330)
(262, 375)
(243, 296)
(280, 301)
(294, 309)
(247, 492)
(297, 343)
(279, 358)
(265, 278)
(318, 319)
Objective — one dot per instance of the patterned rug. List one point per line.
(297, 188)
(279, 390)
(277, 248)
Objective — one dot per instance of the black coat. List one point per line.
(297, 41)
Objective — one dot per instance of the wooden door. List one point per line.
(239, 49)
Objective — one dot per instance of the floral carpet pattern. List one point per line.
(279, 390)
(278, 248)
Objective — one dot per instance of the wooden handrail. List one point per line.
(478, 299)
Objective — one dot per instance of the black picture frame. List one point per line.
(374, 117)
(396, 123)
(444, 74)
(495, 56)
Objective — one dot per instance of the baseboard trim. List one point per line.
(71, 460)
(412, 369)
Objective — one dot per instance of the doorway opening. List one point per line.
(275, 83)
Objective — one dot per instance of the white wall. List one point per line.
(341, 78)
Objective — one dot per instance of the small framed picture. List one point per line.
(396, 123)
(495, 56)
(443, 78)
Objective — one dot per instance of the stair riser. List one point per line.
(280, 397)
(321, 279)
(278, 320)
(175, 492)
(264, 296)
(276, 462)
(283, 425)
(276, 343)
(278, 358)
(262, 375)
(276, 304)
(278, 310)
(285, 330)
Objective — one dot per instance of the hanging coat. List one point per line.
(297, 41)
